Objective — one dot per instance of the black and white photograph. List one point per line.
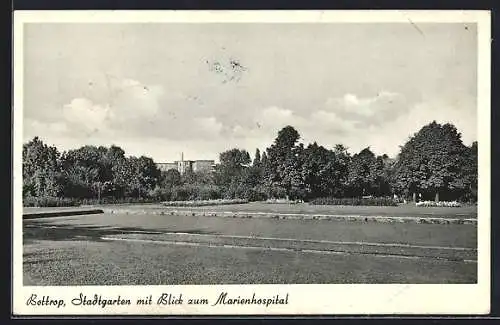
(226, 162)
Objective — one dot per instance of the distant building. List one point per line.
(166, 166)
(183, 166)
(203, 165)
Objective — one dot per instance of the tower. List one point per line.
(182, 165)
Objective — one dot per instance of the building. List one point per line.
(166, 166)
(203, 165)
(183, 166)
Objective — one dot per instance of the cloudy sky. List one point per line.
(162, 89)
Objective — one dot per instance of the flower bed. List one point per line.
(283, 201)
(448, 204)
(201, 203)
(372, 201)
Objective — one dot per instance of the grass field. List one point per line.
(149, 249)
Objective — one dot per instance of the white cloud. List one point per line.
(208, 126)
(128, 105)
(83, 113)
(387, 137)
(139, 112)
(368, 110)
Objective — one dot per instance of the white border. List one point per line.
(303, 299)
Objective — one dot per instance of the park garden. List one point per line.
(433, 168)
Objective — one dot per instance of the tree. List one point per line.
(318, 170)
(146, 175)
(115, 164)
(86, 171)
(365, 174)
(466, 184)
(287, 137)
(235, 158)
(171, 178)
(282, 169)
(471, 171)
(431, 162)
(228, 172)
(263, 160)
(387, 174)
(41, 169)
(257, 159)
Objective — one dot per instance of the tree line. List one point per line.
(433, 164)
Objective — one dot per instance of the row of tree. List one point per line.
(433, 164)
(88, 172)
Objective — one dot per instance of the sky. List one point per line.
(159, 89)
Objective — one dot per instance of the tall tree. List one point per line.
(41, 169)
(229, 172)
(257, 158)
(282, 170)
(318, 170)
(365, 173)
(431, 163)
(86, 171)
(146, 175)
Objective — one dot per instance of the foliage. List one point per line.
(433, 163)
(366, 175)
(88, 172)
(41, 170)
(283, 164)
(374, 201)
(49, 201)
(199, 203)
(321, 170)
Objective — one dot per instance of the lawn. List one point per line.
(304, 208)
(102, 249)
(407, 233)
(130, 263)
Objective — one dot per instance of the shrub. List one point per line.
(160, 194)
(113, 200)
(283, 201)
(194, 192)
(200, 203)
(49, 201)
(207, 192)
(373, 201)
(252, 194)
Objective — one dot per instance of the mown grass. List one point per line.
(304, 208)
(405, 233)
(126, 263)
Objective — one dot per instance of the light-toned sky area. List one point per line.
(156, 89)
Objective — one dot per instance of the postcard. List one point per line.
(251, 162)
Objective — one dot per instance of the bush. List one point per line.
(207, 192)
(188, 192)
(374, 201)
(113, 200)
(283, 201)
(160, 194)
(276, 192)
(254, 195)
(49, 201)
(200, 203)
